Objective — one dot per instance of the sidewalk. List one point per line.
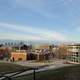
(48, 66)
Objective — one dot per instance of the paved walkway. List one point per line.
(43, 69)
(43, 63)
(48, 66)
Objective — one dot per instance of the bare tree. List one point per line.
(61, 52)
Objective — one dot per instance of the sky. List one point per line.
(40, 20)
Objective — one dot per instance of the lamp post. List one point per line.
(34, 74)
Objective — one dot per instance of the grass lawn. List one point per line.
(9, 67)
(66, 73)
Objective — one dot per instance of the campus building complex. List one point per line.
(74, 52)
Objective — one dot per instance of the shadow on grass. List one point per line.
(65, 73)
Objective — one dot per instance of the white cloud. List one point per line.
(34, 33)
(19, 37)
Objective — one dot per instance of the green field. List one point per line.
(10, 67)
(66, 73)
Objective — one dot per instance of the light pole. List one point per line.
(34, 74)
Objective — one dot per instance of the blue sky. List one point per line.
(42, 20)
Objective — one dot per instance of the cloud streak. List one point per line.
(30, 33)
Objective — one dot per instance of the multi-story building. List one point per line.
(74, 52)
